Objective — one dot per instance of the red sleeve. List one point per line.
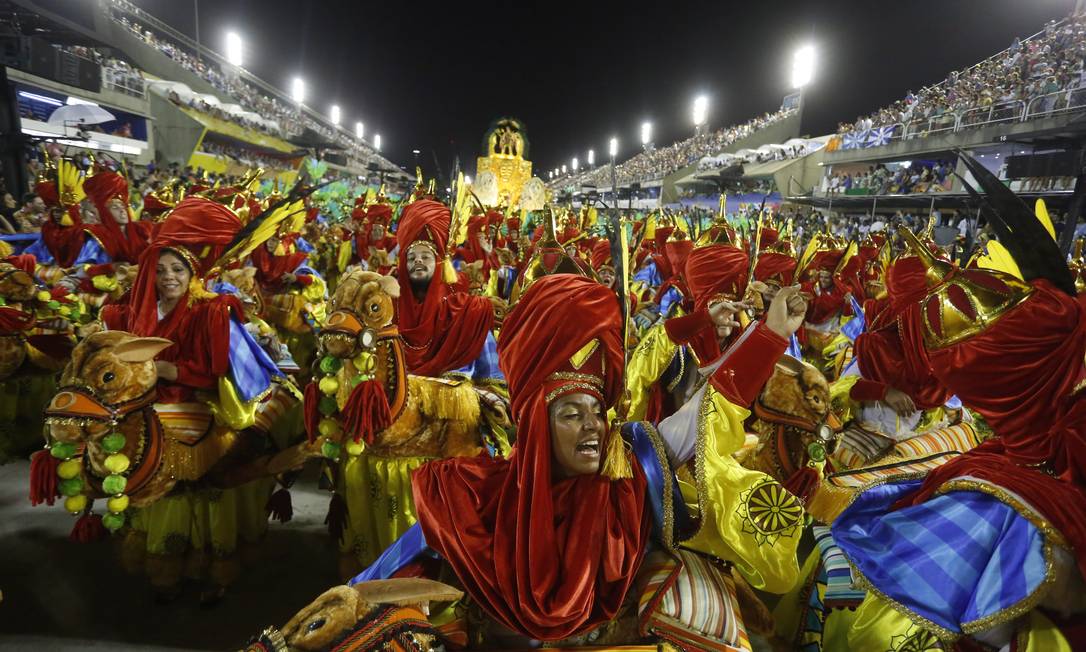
(681, 330)
(99, 270)
(867, 390)
(748, 364)
(304, 279)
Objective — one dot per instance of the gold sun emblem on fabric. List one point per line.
(769, 512)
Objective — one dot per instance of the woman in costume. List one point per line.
(209, 375)
(548, 543)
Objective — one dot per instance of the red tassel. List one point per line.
(803, 484)
(367, 412)
(336, 519)
(279, 506)
(43, 478)
(88, 529)
(311, 415)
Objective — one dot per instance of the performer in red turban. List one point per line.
(443, 329)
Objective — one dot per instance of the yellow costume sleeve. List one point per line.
(747, 517)
(648, 362)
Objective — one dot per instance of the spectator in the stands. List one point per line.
(30, 217)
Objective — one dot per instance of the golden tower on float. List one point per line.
(504, 167)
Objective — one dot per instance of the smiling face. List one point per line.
(172, 277)
(421, 263)
(577, 424)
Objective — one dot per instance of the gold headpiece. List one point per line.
(549, 258)
(961, 303)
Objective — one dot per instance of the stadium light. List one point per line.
(550, 174)
(467, 179)
(701, 110)
(334, 114)
(613, 147)
(563, 168)
(574, 164)
(646, 133)
(803, 63)
(591, 157)
(297, 90)
(233, 49)
(377, 142)
(359, 130)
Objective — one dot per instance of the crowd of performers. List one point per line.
(561, 427)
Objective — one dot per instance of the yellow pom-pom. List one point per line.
(75, 504)
(354, 448)
(329, 385)
(117, 504)
(117, 463)
(69, 469)
(44, 296)
(329, 428)
(104, 283)
(64, 311)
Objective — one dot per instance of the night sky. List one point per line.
(432, 77)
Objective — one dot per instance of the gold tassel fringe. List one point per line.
(829, 501)
(448, 271)
(616, 462)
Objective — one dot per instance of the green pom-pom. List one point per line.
(72, 487)
(113, 442)
(328, 406)
(816, 451)
(62, 450)
(53, 305)
(330, 449)
(330, 365)
(114, 484)
(113, 522)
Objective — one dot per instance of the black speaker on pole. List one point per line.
(12, 141)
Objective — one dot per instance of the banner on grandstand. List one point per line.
(876, 137)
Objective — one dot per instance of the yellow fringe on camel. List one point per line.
(441, 399)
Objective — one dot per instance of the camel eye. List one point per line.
(108, 377)
(315, 625)
(374, 307)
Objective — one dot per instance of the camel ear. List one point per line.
(789, 366)
(390, 286)
(406, 591)
(141, 349)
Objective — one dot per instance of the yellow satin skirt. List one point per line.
(380, 505)
(197, 533)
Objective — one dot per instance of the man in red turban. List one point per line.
(443, 327)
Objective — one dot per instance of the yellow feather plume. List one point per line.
(999, 259)
(1042, 215)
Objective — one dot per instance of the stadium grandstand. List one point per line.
(173, 102)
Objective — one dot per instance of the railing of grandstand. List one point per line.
(124, 81)
(922, 127)
(151, 21)
(1065, 101)
(979, 116)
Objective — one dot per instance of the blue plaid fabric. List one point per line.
(485, 367)
(251, 370)
(40, 252)
(857, 324)
(954, 559)
(649, 275)
(92, 253)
